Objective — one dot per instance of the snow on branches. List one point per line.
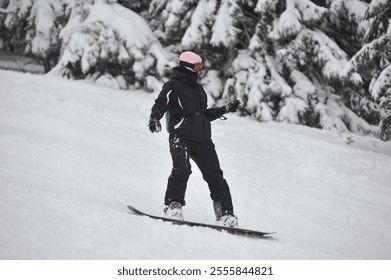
(104, 38)
(307, 65)
(197, 33)
(372, 64)
(45, 20)
(16, 10)
(297, 15)
(224, 31)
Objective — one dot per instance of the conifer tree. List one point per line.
(38, 22)
(370, 67)
(170, 19)
(13, 16)
(46, 19)
(103, 38)
(291, 70)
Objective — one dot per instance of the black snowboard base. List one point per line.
(231, 230)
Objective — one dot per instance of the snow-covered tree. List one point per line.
(170, 18)
(13, 16)
(297, 76)
(198, 32)
(38, 22)
(16, 11)
(346, 24)
(370, 66)
(224, 30)
(5, 43)
(46, 20)
(105, 38)
(92, 41)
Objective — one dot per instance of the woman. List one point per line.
(184, 101)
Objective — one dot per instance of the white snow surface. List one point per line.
(74, 154)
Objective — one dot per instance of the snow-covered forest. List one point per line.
(320, 63)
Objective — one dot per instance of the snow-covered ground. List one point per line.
(73, 155)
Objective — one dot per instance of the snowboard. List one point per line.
(231, 230)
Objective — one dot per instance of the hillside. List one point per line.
(73, 155)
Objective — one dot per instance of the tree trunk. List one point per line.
(46, 64)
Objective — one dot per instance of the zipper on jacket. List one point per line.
(202, 114)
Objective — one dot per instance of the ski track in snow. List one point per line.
(73, 155)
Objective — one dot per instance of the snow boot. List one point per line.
(228, 219)
(174, 211)
(224, 218)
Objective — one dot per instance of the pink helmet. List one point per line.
(191, 61)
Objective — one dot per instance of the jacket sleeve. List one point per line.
(161, 103)
(213, 113)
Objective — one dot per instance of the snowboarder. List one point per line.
(184, 101)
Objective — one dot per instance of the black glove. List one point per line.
(154, 123)
(230, 107)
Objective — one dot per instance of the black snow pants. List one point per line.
(204, 155)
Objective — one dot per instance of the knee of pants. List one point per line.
(181, 174)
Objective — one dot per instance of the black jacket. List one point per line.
(185, 101)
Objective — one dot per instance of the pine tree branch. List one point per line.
(247, 34)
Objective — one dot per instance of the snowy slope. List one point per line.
(72, 155)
